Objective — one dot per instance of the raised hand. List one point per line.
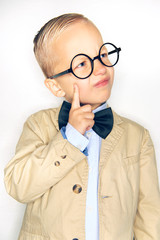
(81, 118)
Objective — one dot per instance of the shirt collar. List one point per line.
(101, 107)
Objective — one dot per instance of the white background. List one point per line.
(133, 25)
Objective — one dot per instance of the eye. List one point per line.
(104, 55)
(82, 64)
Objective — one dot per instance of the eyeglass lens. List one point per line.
(82, 64)
(109, 54)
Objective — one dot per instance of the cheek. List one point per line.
(112, 74)
(83, 89)
(66, 83)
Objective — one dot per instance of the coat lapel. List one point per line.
(109, 143)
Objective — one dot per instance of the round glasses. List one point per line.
(82, 65)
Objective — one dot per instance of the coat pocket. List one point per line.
(131, 160)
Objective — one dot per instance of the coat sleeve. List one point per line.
(147, 221)
(38, 166)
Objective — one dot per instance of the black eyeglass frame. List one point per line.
(92, 62)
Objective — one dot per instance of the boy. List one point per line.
(84, 171)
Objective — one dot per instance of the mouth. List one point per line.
(102, 83)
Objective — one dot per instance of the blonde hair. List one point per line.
(47, 34)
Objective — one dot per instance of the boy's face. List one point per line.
(81, 37)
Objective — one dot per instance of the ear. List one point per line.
(54, 87)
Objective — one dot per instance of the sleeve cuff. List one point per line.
(76, 138)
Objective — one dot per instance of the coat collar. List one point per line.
(117, 119)
(56, 117)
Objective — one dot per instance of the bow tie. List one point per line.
(103, 119)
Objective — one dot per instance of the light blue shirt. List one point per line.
(92, 142)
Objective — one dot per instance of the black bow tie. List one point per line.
(103, 119)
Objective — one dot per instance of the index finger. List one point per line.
(75, 101)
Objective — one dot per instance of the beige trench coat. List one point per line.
(51, 175)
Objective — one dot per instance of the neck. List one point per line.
(92, 106)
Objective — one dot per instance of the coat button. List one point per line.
(64, 156)
(77, 188)
(57, 163)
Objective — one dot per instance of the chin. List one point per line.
(104, 98)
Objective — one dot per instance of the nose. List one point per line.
(99, 68)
